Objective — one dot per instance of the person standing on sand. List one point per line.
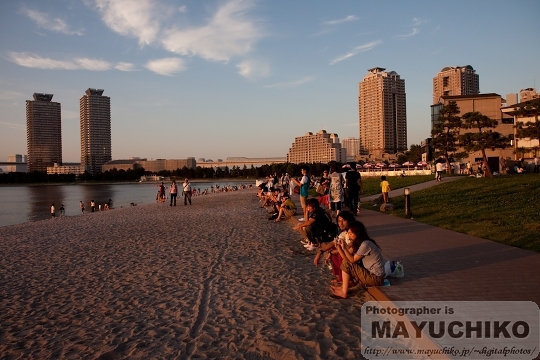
(81, 205)
(52, 211)
(62, 210)
(304, 191)
(187, 192)
(93, 205)
(174, 192)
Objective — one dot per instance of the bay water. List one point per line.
(24, 203)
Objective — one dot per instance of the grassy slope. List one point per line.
(505, 209)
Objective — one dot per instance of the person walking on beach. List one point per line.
(93, 205)
(52, 211)
(187, 192)
(81, 205)
(174, 192)
(62, 210)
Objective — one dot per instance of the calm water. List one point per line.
(19, 204)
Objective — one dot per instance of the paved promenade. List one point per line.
(445, 265)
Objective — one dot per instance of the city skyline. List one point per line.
(210, 79)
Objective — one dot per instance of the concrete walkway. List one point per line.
(413, 188)
(445, 265)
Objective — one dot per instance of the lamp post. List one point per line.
(408, 213)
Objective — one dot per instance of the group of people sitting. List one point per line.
(345, 247)
(279, 202)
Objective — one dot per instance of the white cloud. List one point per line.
(291, 84)
(341, 21)
(13, 125)
(132, 18)
(417, 21)
(45, 21)
(413, 32)
(38, 62)
(166, 66)
(229, 33)
(93, 64)
(356, 50)
(124, 66)
(182, 9)
(253, 69)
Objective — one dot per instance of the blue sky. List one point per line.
(215, 79)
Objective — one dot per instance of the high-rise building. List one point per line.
(43, 132)
(352, 146)
(95, 130)
(320, 147)
(454, 81)
(382, 113)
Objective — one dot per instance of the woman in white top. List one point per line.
(336, 195)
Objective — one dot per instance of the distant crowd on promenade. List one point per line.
(337, 237)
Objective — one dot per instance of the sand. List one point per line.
(211, 280)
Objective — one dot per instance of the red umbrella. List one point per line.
(358, 166)
(422, 163)
(408, 164)
(346, 166)
(380, 165)
(394, 166)
(368, 165)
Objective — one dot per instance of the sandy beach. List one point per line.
(211, 280)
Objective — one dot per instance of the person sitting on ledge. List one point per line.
(368, 272)
(287, 207)
(318, 228)
(344, 220)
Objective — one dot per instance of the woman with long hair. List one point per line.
(344, 219)
(369, 271)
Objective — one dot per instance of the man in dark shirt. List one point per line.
(318, 227)
(353, 180)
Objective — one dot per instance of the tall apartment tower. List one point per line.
(43, 132)
(95, 130)
(382, 113)
(455, 80)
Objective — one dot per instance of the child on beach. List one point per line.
(385, 186)
(368, 272)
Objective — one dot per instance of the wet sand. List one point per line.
(211, 280)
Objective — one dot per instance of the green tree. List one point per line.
(414, 154)
(445, 133)
(531, 129)
(484, 138)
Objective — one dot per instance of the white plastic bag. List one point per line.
(394, 269)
